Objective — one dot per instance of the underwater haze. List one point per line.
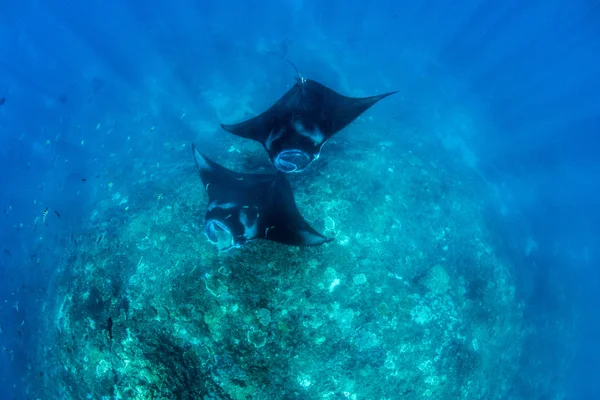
(463, 209)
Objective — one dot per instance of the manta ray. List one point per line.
(243, 207)
(296, 127)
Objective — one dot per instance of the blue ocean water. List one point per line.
(101, 100)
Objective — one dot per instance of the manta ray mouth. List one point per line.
(289, 161)
(219, 235)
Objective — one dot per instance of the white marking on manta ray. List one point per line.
(268, 229)
(201, 161)
(249, 230)
(273, 136)
(316, 135)
(310, 238)
(226, 206)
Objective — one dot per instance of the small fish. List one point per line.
(2, 100)
(57, 214)
(99, 239)
(110, 327)
(83, 179)
(44, 216)
(7, 252)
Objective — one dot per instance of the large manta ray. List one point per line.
(295, 128)
(245, 207)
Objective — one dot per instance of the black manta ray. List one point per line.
(244, 207)
(295, 128)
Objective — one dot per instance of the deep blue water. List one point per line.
(513, 87)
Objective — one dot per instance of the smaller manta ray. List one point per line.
(245, 207)
(296, 127)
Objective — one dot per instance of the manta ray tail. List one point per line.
(295, 68)
(299, 78)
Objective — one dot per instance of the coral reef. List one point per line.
(414, 299)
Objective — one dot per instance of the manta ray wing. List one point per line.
(330, 111)
(285, 223)
(258, 128)
(210, 171)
